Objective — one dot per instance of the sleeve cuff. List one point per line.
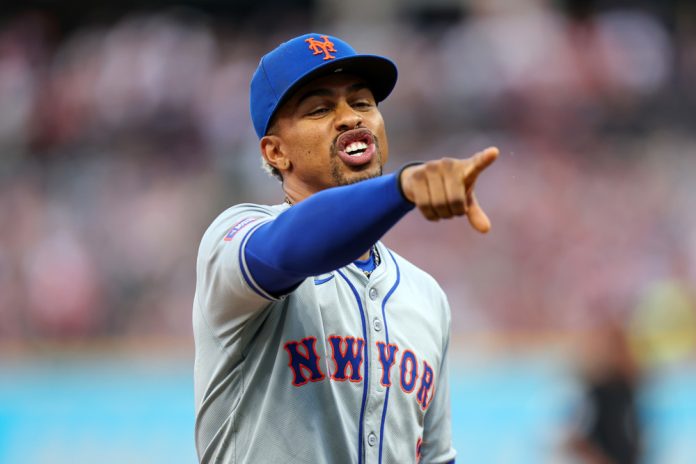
(398, 179)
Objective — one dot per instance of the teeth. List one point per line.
(356, 146)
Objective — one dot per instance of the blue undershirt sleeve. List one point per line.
(324, 232)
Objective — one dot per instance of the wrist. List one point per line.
(399, 180)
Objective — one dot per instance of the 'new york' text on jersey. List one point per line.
(342, 369)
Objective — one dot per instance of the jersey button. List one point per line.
(372, 439)
(373, 293)
(377, 324)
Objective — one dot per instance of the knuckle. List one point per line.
(443, 210)
(459, 205)
(427, 211)
(418, 175)
(457, 167)
(431, 167)
(441, 207)
(448, 163)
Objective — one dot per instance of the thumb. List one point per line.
(477, 217)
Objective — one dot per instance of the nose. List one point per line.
(347, 118)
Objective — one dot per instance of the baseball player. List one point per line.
(315, 343)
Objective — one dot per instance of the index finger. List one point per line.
(478, 163)
(483, 159)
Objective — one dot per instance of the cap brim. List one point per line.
(380, 74)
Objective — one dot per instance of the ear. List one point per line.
(272, 152)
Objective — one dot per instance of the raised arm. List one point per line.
(334, 227)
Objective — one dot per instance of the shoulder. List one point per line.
(239, 217)
(414, 275)
(420, 291)
(233, 224)
(247, 210)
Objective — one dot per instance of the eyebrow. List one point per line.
(325, 92)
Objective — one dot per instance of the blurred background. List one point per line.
(124, 130)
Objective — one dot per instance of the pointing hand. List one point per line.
(444, 188)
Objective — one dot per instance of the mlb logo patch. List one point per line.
(239, 226)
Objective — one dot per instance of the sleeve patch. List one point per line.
(239, 226)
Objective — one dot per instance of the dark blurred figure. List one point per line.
(609, 429)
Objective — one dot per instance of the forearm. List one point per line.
(324, 232)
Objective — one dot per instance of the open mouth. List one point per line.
(356, 147)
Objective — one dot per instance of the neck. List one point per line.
(295, 193)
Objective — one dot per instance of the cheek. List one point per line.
(314, 147)
(384, 147)
(307, 146)
(383, 142)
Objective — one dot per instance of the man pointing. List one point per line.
(314, 342)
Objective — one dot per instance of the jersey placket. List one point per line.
(374, 290)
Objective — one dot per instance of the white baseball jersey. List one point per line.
(344, 369)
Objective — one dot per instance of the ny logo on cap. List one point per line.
(321, 47)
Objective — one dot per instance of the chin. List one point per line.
(352, 177)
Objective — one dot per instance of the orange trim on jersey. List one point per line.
(386, 370)
(413, 371)
(357, 342)
(427, 382)
(432, 395)
(305, 342)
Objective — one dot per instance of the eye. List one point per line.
(318, 111)
(362, 105)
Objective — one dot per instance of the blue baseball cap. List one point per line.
(299, 60)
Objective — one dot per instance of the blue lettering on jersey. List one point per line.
(426, 384)
(309, 361)
(347, 353)
(409, 371)
(387, 361)
(350, 356)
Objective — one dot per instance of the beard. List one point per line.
(338, 174)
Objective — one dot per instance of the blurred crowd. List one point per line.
(120, 141)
